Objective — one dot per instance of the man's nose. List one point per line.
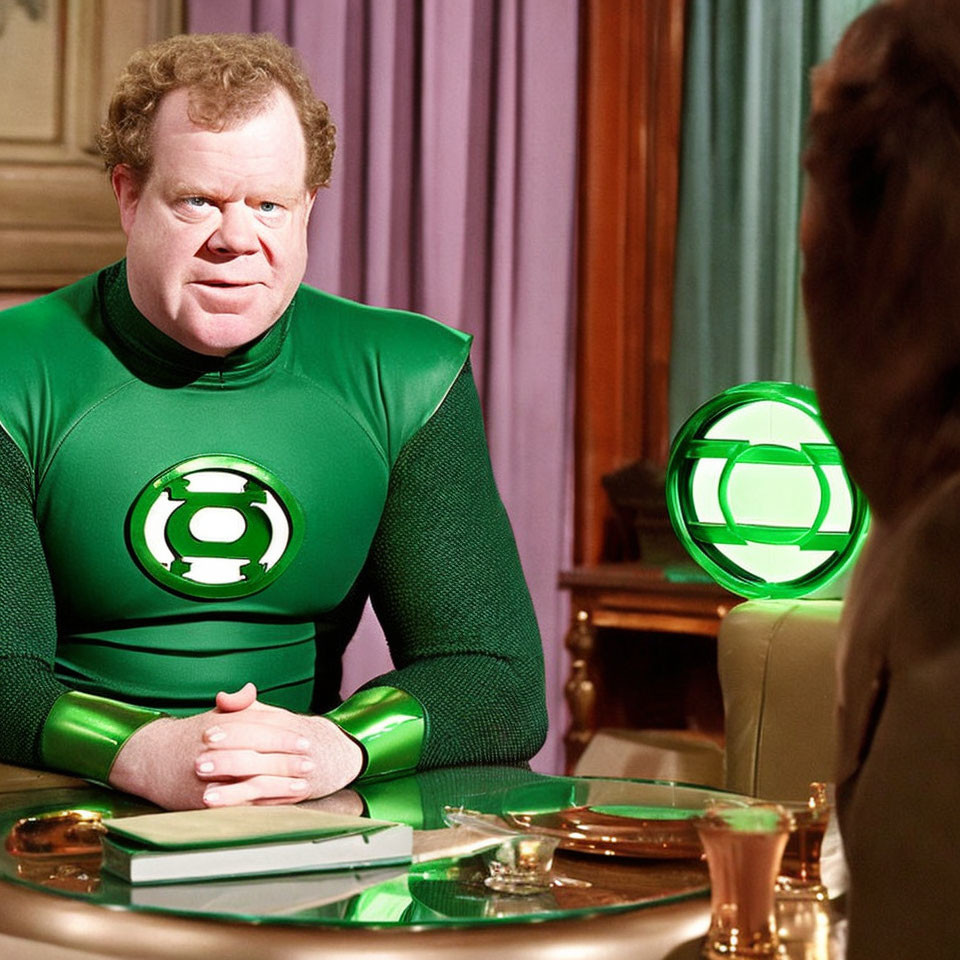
(236, 232)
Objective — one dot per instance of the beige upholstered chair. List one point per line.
(776, 660)
(652, 755)
(777, 671)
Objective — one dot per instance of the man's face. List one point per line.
(217, 234)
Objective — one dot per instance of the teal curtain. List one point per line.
(745, 101)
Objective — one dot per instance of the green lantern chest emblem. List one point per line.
(758, 494)
(215, 528)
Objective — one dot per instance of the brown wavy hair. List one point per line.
(230, 76)
(881, 243)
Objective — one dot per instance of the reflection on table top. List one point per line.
(595, 904)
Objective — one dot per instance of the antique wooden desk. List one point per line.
(633, 597)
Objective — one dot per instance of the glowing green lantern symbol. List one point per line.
(758, 494)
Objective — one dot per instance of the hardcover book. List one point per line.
(243, 841)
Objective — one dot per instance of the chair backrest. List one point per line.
(777, 663)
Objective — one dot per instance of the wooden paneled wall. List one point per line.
(58, 63)
(631, 97)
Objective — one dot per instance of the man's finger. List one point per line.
(261, 737)
(243, 764)
(254, 789)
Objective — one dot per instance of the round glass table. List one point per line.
(595, 901)
(626, 879)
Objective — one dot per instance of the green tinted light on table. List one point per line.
(645, 812)
(758, 494)
(755, 819)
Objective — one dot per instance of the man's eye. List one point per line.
(196, 201)
(268, 206)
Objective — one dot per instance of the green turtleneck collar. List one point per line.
(156, 356)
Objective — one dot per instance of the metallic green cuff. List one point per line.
(388, 724)
(84, 733)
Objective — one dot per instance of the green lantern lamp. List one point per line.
(758, 494)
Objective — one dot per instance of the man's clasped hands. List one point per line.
(243, 751)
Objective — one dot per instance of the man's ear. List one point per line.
(311, 197)
(126, 188)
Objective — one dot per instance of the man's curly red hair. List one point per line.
(230, 78)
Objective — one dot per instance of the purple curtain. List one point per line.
(454, 195)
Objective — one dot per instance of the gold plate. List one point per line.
(667, 833)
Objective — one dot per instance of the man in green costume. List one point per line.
(206, 467)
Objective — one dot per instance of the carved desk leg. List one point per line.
(580, 690)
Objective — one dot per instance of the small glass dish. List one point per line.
(520, 865)
(516, 863)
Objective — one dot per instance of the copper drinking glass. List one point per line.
(800, 868)
(743, 847)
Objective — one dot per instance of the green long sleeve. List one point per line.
(44, 722)
(28, 622)
(447, 586)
